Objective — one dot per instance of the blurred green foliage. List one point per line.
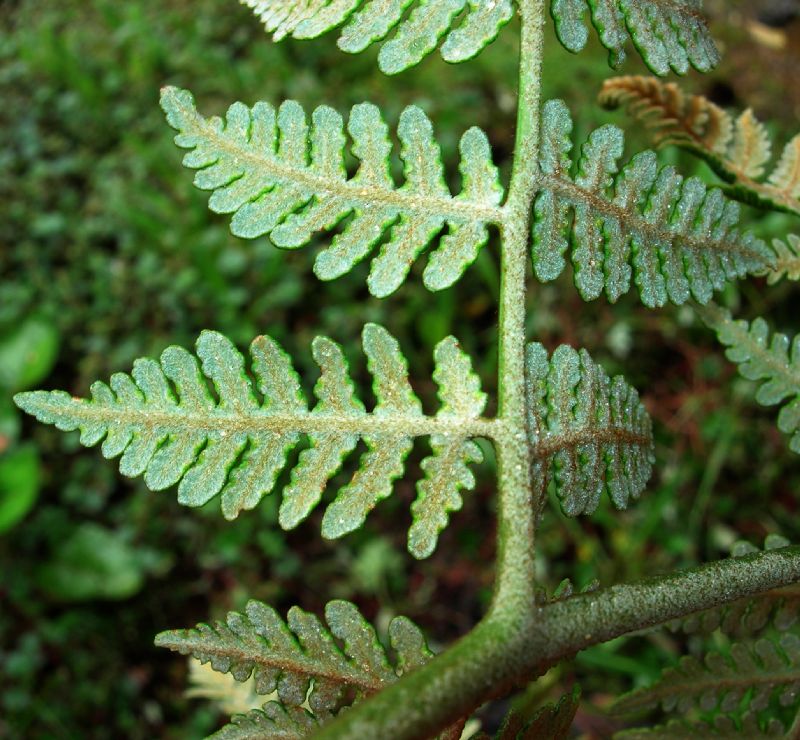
(108, 253)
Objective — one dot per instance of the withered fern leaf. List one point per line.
(738, 149)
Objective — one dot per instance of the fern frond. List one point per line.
(747, 728)
(272, 722)
(675, 237)
(168, 427)
(737, 149)
(669, 34)
(787, 261)
(774, 360)
(278, 176)
(300, 658)
(590, 433)
(552, 721)
(753, 672)
(467, 26)
(779, 608)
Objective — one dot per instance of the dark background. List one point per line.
(107, 253)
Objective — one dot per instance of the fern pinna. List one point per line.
(219, 423)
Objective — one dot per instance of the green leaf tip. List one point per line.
(674, 237)
(589, 433)
(278, 175)
(305, 661)
(167, 426)
(668, 34)
(466, 26)
(272, 722)
(552, 721)
(774, 360)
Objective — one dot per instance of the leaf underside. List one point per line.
(753, 672)
(280, 176)
(272, 722)
(589, 433)
(669, 34)
(748, 727)
(673, 236)
(774, 360)
(551, 722)
(167, 426)
(308, 664)
(737, 149)
(466, 26)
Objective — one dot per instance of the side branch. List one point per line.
(566, 627)
(501, 652)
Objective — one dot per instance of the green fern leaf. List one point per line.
(673, 236)
(590, 433)
(753, 672)
(774, 360)
(236, 446)
(272, 722)
(747, 728)
(300, 658)
(736, 149)
(779, 608)
(553, 721)
(467, 26)
(669, 34)
(259, 166)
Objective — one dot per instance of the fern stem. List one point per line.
(571, 625)
(516, 516)
(491, 659)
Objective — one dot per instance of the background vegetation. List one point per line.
(107, 253)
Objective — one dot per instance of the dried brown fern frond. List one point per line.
(737, 149)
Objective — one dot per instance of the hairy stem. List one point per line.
(516, 516)
(568, 626)
(492, 659)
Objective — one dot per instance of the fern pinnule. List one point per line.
(272, 722)
(669, 35)
(552, 721)
(166, 426)
(752, 674)
(774, 360)
(589, 433)
(467, 26)
(279, 176)
(674, 237)
(779, 608)
(746, 727)
(736, 149)
(300, 658)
